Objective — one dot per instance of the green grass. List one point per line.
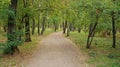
(26, 51)
(2, 36)
(101, 53)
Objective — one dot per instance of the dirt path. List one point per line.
(57, 51)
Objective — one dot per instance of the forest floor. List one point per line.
(57, 51)
(101, 53)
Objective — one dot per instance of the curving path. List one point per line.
(57, 51)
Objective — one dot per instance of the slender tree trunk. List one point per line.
(88, 39)
(5, 30)
(64, 27)
(79, 29)
(38, 25)
(27, 29)
(68, 30)
(43, 25)
(71, 27)
(55, 26)
(27, 24)
(113, 30)
(91, 34)
(33, 26)
(21, 26)
(63, 24)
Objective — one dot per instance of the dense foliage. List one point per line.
(92, 16)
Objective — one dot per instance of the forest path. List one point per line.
(57, 51)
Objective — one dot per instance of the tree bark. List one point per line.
(55, 26)
(27, 29)
(33, 26)
(91, 34)
(5, 30)
(79, 29)
(43, 25)
(21, 26)
(88, 39)
(64, 27)
(68, 30)
(38, 25)
(11, 30)
(113, 30)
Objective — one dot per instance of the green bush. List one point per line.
(10, 46)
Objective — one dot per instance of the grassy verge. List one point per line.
(101, 54)
(26, 51)
(28, 47)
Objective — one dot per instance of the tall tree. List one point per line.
(11, 30)
(27, 23)
(113, 27)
